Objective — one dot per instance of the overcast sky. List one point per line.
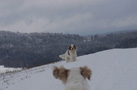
(68, 16)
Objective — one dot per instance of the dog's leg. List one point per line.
(67, 59)
(73, 58)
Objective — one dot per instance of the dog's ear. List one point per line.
(75, 47)
(85, 72)
(56, 72)
(63, 74)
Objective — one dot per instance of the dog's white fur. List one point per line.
(76, 81)
(75, 77)
(70, 54)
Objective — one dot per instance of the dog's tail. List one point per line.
(62, 56)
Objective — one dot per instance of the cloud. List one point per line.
(125, 22)
(68, 16)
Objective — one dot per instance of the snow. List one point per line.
(5, 69)
(114, 69)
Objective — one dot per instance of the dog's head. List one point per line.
(62, 73)
(72, 47)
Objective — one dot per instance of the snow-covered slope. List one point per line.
(6, 70)
(114, 69)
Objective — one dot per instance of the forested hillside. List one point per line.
(32, 49)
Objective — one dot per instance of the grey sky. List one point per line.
(68, 16)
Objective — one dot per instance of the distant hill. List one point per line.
(34, 49)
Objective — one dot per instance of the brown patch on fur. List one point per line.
(69, 47)
(56, 72)
(68, 53)
(75, 47)
(61, 73)
(86, 72)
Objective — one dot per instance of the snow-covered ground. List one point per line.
(6, 70)
(114, 69)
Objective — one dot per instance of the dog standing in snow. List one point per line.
(74, 78)
(70, 54)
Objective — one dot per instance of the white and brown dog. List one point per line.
(70, 54)
(75, 78)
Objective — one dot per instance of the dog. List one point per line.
(74, 78)
(70, 54)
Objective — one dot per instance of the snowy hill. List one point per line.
(114, 69)
(6, 70)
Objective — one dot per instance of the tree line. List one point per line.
(33, 49)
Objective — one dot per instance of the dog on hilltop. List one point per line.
(71, 54)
